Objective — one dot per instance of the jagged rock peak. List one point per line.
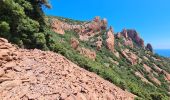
(111, 29)
(131, 33)
(96, 19)
(124, 32)
(110, 39)
(149, 47)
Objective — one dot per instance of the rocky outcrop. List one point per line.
(138, 74)
(147, 68)
(155, 80)
(104, 24)
(99, 43)
(87, 52)
(149, 47)
(84, 51)
(134, 36)
(110, 39)
(124, 33)
(128, 42)
(118, 35)
(39, 75)
(57, 26)
(132, 58)
(7, 51)
(159, 70)
(74, 43)
(84, 30)
(167, 76)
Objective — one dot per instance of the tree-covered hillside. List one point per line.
(22, 22)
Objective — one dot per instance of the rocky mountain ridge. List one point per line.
(118, 53)
(86, 30)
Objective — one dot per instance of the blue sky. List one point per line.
(151, 18)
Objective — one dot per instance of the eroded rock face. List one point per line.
(110, 39)
(84, 30)
(84, 51)
(134, 36)
(132, 58)
(57, 26)
(147, 68)
(99, 43)
(124, 32)
(159, 70)
(167, 75)
(128, 42)
(119, 35)
(149, 47)
(138, 74)
(155, 80)
(40, 75)
(74, 43)
(87, 52)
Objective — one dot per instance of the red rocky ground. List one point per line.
(39, 75)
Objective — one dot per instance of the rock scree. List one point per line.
(44, 75)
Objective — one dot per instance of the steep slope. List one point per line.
(121, 58)
(39, 75)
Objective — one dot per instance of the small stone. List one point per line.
(2, 72)
(7, 84)
(17, 68)
(80, 96)
(71, 97)
(63, 96)
(9, 65)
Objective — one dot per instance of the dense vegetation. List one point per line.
(23, 22)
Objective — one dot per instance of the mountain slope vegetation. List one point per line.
(146, 77)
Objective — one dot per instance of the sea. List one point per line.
(163, 52)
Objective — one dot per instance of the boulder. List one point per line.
(87, 52)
